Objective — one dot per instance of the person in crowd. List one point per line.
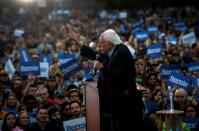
(55, 122)
(44, 46)
(22, 122)
(65, 111)
(146, 97)
(157, 98)
(18, 87)
(31, 105)
(152, 81)
(4, 78)
(43, 95)
(22, 107)
(181, 99)
(42, 120)
(4, 90)
(184, 71)
(11, 105)
(83, 109)
(116, 85)
(2, 113)
(191, 116)
(140, 68)
(9, 122)
(31, 90)
(191, 111)
(73, 95)
(75, 109)
(52, 85)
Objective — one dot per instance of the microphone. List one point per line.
(98, 55)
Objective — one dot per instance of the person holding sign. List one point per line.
(120, 101)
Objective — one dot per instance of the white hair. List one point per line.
(180, 90)
(111, 36)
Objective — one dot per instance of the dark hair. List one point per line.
(41, 107)
(52, 111)
(64, 105)
(78, 102)
(184, 68)
(4, 125)
(194, 107)
(155, 91)
(71, 86)
(151, 74)
(28, 97)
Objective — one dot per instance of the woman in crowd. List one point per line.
(22, 122)
(11, 105)
(9, 122)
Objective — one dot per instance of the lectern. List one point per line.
(169, 119)
(92, 106)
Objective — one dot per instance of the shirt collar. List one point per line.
(111, 52)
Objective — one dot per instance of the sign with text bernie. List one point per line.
(29, 68)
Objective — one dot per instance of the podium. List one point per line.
(92, 106)
(169, 119)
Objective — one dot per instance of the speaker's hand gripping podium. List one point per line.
(92, 106)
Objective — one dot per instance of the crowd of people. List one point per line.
(42, 103)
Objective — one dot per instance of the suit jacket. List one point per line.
(117, 87)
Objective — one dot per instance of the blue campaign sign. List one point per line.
(77, 124)
(195, 82)
(103, 14)
(136, 26)
(16, 22)
(152, 28)
(180, 26)
(10, 68)
(154, 51)
(115, 15)
(141, 35)
(63, 13)
(161, 35)
(64, 58)
(122, 28)
(70, 68)
(23, 55)
(191, 122)
(179, 80)
(194, 66)
(168, 69)
(29, 68)
(18, 32)
(189, 38)
(48, 59)
(123, 15)
(88, 74)
(171, 40)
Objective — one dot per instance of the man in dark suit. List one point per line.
(121, 106)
